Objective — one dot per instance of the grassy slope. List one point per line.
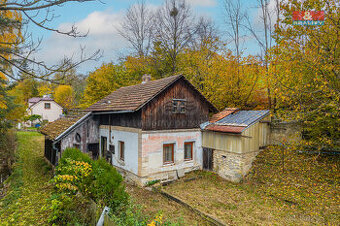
(153, 203)
(306, 193)
(27, 200)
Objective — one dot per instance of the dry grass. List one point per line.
(269, 196)
(154, 203)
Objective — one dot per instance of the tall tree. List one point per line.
(235, 19)
(15, 49)
(103, 81)
(136, 28)
(174, 29)
(307, 61)
(265, 39)
(64, 96)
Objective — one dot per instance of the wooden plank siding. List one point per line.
(158, 115)
(251, 139)
(132, 119)
(222, 141)
(259, 134)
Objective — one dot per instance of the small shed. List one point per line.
(232, 139)
(78, 129)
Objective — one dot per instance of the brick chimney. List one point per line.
(146, 78)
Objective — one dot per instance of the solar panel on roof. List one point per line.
(242, 118)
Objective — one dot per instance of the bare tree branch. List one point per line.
(136, 27)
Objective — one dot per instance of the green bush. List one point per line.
(71, 210)
(107, 186)
(78, 176)
(74, 154)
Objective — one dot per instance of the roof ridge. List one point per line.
(152, 81)
(143, 92)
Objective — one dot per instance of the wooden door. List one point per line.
(103, 146)
(94, 149)
(208, 158)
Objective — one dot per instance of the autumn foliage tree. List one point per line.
(64, 96)
(308, 72)
(10, 37)
(225, 79)
(105, 80)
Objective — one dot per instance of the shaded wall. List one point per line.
(88, 131)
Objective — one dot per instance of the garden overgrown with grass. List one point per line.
(77, 192)
(283, 188)
(27, 198)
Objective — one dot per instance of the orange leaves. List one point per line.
(10, 32)
(105, 80)
(225, 80)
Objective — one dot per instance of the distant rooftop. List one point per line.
(34, 100)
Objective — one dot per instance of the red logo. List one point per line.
(308, 15)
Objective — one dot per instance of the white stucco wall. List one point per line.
(152, 152)
(130, 138)
(51, 114)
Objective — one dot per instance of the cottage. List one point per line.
(78, 129)
(44, 106)
(232, 139)
(147, 131)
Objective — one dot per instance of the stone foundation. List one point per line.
(233, 166)
(162, 176)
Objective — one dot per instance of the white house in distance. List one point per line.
(44, 106)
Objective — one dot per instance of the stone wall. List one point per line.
(233, 166)
(282, 132)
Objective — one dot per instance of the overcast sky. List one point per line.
(101, 20)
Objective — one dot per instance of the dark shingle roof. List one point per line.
(53, 129)
(132, 98)
(37, 99)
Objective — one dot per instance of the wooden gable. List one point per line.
(180, 106)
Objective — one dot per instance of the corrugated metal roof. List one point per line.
(243, 118)
(235, 122)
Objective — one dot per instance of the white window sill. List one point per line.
(168, 164)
